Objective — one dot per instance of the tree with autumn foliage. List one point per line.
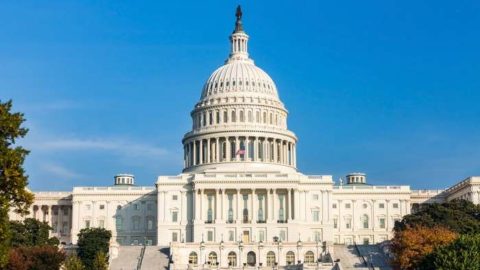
(411, 245)
(13, 180)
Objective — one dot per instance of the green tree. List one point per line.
(13, 181)
(463, 253)
(73, 263)
(31, 232)
(100, 262)
(458, 215)
(90, 242)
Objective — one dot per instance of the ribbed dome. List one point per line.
(239, 76)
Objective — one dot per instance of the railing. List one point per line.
(142, 253)
(365, 262)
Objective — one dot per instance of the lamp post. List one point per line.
(299, 247)
(219, 264)
(260, 247)
(240, 249)
(202, 248)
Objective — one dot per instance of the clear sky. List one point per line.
(389, 88)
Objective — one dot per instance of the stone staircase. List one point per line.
(354, 258)
(127, 258)
(155, 258)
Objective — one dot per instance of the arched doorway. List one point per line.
(251, 258)
(232, 259)
(212, 258)
(270, 258)
(290, 258)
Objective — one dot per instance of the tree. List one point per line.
(463, 253)
(90, 242)
(13, 181)
(100, 262)
(458, 215)
(35, 258)
(73, 263)
(411, 245)
(31, 232)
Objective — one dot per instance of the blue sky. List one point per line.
(390, 88)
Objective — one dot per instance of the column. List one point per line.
(224, 210)
(195, 204)
(194, 160)
(387, 219)
(200, 214)
(269, 208)
(290, 200)
(201, 151)
(254, 209)
(238, 207)
(274, 200)
(274, 150)
(217, 205)
(208, 160)
(324, 206)
(182, 206)
(217, 150)
(296, 208)
(237, 146)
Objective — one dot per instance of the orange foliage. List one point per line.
(411, 245)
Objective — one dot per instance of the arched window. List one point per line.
(264, 117)
(212, 258)
(251, 258)
(150, 222)
(204, 119)
(234, 117)
(232, 259)
(257, 117)
(242, 116)
(225, 116)
(224, 150)
(210, 118)
(271, 151)
(290, 259)
(136, 223)
(365, 221)
(270, 258)
(218, 117)
(309, 257)
(193, 258)
(232, 150)
(271, 118)
(250, 116)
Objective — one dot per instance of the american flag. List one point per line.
(240, 152)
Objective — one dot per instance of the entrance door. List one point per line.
(246, 237)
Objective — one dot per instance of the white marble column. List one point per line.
(217, 205)
(254, 207)
(194, 160)
(238, 215)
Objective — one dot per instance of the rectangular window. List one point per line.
(101, 223)
(174, 237)
(149, 206)
(88, 206)
(87, 223)
(317, 236)
(210, 236)
(348, 206)
(348, 223)
(101, 207)
(135, 206)
(335, 223)
(395, 205)
(381, 205)
(261, 236)
(231, 236)
(334, 206)
(315, 197)
(175, 197)
(65, 211)
(316, 215)
(283, 235)
(382, 223)
(174, 216)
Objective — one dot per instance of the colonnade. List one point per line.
(239, 148)
(245, 205)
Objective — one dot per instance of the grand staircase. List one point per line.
(155, 258)
(127, 258)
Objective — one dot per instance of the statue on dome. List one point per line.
(239, 13)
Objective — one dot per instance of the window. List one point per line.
(232, 259)
(270, 258)
(365, 206)
(334, 206)
(290, 258)
(234, 117)
(88, 206)
(264, 117)
(316, 215)
(315, 197)
(230, 208)
(242, 116)
(225, 117)
(335, 223)
(251, 258)
(309, 257)
(395, 205)
(245, 208)
(231, 236)
(210, 236)
(101, 223)
(136, 223)
(251, 150)
(212, 258)
(119, 222)
(347, 205)
(381, 205)
(210, 118)
(174, 237)
(250, 116)
(175, 197)
(65, 211)
(365, 221)
(193, 258)
(261, 236)
(149, 206)
(101, 206)
(281, 212)
(261, 218)
(174, 216)
(317, 236)
(150, 223)
(87, 223)
(210, 210)
(218, 116)
(135, 206)
(283, 235)
(348, 223)
(382, 223)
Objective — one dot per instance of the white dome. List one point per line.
(242, 77)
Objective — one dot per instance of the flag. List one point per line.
(240, 152)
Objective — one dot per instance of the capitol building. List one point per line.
(240, 200)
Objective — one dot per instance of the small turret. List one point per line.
(124, 179)
(356, 178)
